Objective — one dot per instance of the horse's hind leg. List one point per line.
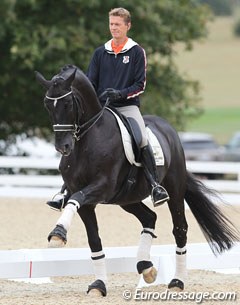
(148, 219)
(180, 227)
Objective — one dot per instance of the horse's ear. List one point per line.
(68, 82)
(40, 78)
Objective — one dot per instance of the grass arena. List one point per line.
(26, 223)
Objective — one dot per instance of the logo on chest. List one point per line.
(125, 59)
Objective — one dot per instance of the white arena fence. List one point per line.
(34, 184)
(40, 263)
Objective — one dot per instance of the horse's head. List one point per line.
(59, 101)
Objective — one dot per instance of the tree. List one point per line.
(44, 35)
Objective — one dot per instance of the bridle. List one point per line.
(78, 130)
(61, 127)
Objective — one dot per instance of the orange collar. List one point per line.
(117, 49)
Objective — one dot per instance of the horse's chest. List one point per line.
(70, 169)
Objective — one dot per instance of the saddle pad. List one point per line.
(127, 144)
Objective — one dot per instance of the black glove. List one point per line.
(112, 94)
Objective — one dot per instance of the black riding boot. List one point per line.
(159, 194)
(59, 204)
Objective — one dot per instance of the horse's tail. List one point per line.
(218, 230)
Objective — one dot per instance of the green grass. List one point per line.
(215, 63)
(221, 122)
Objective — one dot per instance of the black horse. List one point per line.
(96, 171)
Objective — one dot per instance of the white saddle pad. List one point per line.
(127, 144)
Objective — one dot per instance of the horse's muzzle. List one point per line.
(64, 150)
(64, 143)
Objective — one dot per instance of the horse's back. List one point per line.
(163, 130)
(167, 137)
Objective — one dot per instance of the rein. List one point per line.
(92, 121)
(76, 128)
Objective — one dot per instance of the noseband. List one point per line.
(78, 130)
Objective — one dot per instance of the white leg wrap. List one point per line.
(99, 266)
(181, 264)
(67, 216)
(145, 243)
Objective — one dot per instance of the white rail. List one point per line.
(35, 263)
(34, 184)
(29, 162)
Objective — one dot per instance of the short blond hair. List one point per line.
(121, 12)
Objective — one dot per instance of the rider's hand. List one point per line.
(112, 94)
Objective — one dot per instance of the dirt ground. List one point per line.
(25, 223)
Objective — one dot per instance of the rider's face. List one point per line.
(118, 27)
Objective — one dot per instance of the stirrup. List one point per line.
(59, 200)
(161, 200)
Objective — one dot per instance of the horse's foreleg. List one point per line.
(88, 216)
(148, 219)
(58, 237)
(98, 287)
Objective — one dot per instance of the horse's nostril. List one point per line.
(58, 149)
(66, 148)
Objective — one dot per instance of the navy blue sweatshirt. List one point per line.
(125, 71)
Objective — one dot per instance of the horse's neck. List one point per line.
(90, 103)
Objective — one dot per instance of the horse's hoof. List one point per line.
(58, 237)
(97, 288)
(149, 275)
(176, 285)
(95, 293)
(56, 242)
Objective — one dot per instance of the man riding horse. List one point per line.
(118, 72)
(94, 167)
